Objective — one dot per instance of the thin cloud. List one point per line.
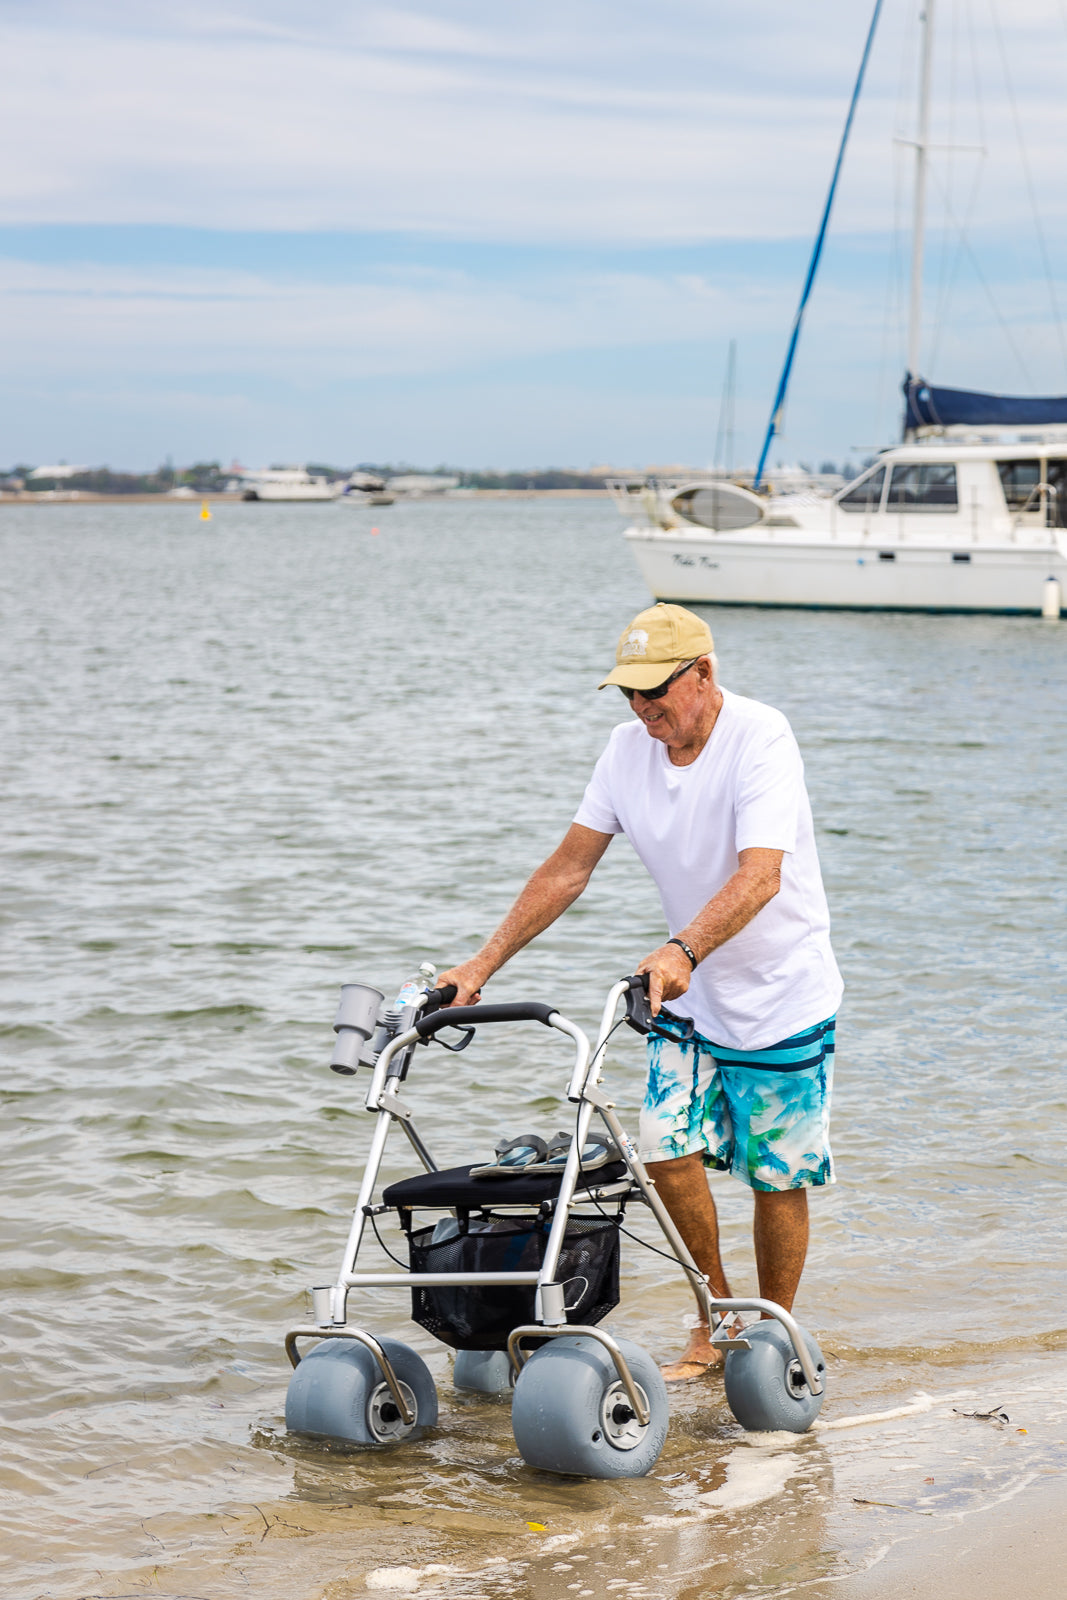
(473, 121)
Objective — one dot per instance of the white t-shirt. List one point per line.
(688, 824)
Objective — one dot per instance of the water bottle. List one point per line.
(412, 988)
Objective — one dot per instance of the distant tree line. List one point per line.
(209, 477)
(203, 477)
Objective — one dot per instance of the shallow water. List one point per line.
(251, 759)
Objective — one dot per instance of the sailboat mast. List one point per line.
(918, 225)
(774, 426)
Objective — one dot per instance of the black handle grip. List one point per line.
(436, 998)
(474, 1016)
(639, 1013)
(439, 997)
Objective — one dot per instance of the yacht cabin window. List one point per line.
(923, 486)
(865, 494)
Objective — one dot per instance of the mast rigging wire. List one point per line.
(967, 248)
(1042, 245)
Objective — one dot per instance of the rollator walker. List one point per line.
(518, 1270)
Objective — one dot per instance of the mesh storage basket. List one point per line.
(480, 1317)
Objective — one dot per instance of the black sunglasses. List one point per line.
(661, 688)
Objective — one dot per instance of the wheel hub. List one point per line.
(795, 1380)
(618, 1420)
(383, 1413)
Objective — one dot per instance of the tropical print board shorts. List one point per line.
(763, 1115)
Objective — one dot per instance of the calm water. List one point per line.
(251, 759)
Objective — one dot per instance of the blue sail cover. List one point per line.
(928, 407)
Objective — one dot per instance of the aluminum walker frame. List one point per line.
(420, 1022)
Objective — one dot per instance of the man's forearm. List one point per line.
(555, 885)
(754, 884)
(545, 897)
(552, 888)
(740, 899)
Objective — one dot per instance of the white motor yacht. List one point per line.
(286, 483)
(949, 521)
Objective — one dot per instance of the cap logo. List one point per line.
(635, 643)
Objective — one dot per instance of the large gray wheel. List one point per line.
(484, 1371)
(338, 1392)
(765, 1387)
(570, 1412)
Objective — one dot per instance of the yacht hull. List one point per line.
(820, 574)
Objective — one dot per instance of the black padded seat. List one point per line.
(455, 1189)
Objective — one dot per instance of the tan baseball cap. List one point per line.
(658, 642)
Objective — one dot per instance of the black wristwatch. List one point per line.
(693, 962)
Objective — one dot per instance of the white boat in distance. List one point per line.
(968, 514)
(365, 489)
(286, 483)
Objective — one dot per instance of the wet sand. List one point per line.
(1016, 1545)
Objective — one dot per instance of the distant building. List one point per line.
(62, 471)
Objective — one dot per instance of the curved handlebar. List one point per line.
(473, 1016)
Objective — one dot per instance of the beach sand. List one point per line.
(1015, 1545)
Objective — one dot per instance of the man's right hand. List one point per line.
(468, 980)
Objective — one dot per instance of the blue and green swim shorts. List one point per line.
(763, 1115)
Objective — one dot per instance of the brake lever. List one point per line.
(468, 1035)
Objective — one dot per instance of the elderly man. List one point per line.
(709, 789)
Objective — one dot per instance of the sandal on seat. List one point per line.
(599, 1150)
(514, 1155)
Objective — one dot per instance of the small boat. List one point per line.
(968, 513)
(366, 489)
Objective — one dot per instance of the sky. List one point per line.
(510, 235)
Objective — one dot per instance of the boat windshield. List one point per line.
(865, 494)
(923, 486)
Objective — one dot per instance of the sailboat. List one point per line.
(967, 514)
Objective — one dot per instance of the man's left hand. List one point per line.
(669, 973)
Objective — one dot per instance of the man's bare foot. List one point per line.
(698, 1358)
(700, 1355)
(683, 1370)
